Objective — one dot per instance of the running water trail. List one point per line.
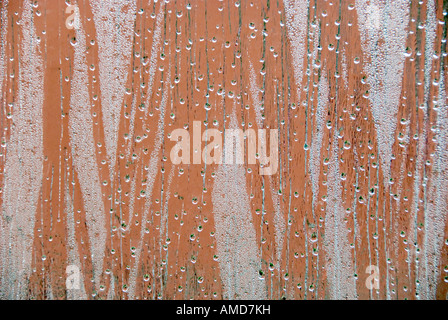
(114, 23)
(24, 165)
(383, 30)
(3, 44)
(156, 45)
(296, 22)
(156, 42)
(279, 219)
(430, 35)
(3, 34)
(152, 170)
(84, 156)
(239, 259)
(383, 38)
(339, 258)
(72, 249)
(436, 210)
(317, 137)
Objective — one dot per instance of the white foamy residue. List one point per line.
(296, 22)
(24, 161)
(339, 263)
(3, 34)
(84, 155)
(316, 143)
(383, 38)
(436, 210)
(237, 248)
(114, 23)
(430, 34)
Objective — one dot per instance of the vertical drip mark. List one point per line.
(383, 38)
(297, 22)
(239, 258)
(151, 176)
(152, 70)
(72, 248)
(156, 42)
(316, 143)
(436, 209)
(297, 27)
(24, 163)
(84, 156)
(339, 259)
(430, 37)
(422, 137)
(164, 214)
(3, 34)
(114, 23)
(254, 91)
(279, 221)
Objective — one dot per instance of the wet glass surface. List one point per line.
(223, 149)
